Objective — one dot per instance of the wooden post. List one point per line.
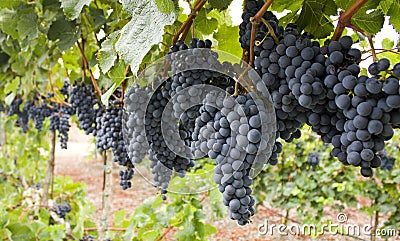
(50, 171)
(106, 198)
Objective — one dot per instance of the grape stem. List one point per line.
(240, 79)
(165, 233)
(184, 29)
(345, 18)
(369, 37)
(86, 64)
(128, 68)
(245, 54)
(50, 170)
(108, 229)
(255, 21)
(382, 51)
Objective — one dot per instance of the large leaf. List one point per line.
(27, 24)
(72, 8)
(314, 17)
(66, 32)
(227, 38)
(117, 75)
(165, 6)
(145, 29)
(220, 4)
(10, 3)
(370, 23)
(394, 15)
(205, 24)
(282, 5)
(107, 54)
(20, 232)
(9, 22)
(385, 5)
(345, 4)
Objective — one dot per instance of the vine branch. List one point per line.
(86, 63)
(165, 233)
(255, 22)
(109, 229)
(50, 170)
(369, 37)
(184, 29)
(345, 18)
(263, 9)
(127, 69)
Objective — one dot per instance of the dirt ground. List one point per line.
(80, 163)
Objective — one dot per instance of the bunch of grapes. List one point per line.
(62, 209)
(321, 86)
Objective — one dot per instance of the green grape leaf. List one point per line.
(387, 43)
(205, 24)
(10, 3)
(385, 5)
(107, 54)
(27, 24)
(313, 17)
(370, 23)
(228, 40)
(145, 29)
(106, 96)
(9, 22)
(12, 85)
(72, 8)
(117, 75)
(330, 8)
(165, 6)
(282, 5)
(20, 232)
(119, 218)
(209, 229)
(220, 4)
(66, 32)
(150, 235)
(394, 15)
(345, 4)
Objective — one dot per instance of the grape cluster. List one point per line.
(313, 159)
(322, 87)
(387, 161)
(23, 116)
(239, 148)
(126, 176)
(193, 108)
(135, 101)
(370, 106)
(91, 238)
(86, 107)
(39, 111)
(157, 120)
(108, 127)
(250, 9)
(162, 174)
(62, 209)
(87, 238)
(59, 119)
